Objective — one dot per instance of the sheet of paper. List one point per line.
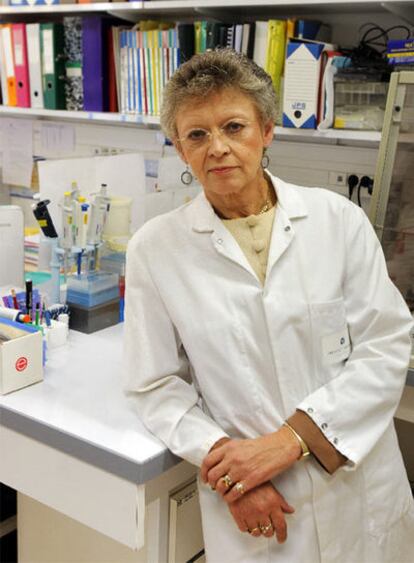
(57, 138)
(17, 152)
(124, 175)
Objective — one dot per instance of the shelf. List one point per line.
(243, 8)
(330, 136)
(71, 8)
(96, 117)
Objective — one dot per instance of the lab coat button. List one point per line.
(324, 426)
(335, 441)
(219, 241)
(287, 228)
(310, 410)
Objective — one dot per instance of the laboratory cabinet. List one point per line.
(392, 215)
(392, 204)
(93, 484)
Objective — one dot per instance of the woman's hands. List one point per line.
(249, 462)
(263, 507)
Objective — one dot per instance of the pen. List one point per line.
(79, 263)
(13, 294)
(47, 318)
(29, 296)
(37, 314)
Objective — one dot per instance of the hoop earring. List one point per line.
(186, 177)
(265, 160)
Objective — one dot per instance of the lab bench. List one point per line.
(93, 484)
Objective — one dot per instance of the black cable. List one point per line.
(352, 182)
(359, 194)
(365, 182)
(371, 49)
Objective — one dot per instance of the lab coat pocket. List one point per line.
(330, 338)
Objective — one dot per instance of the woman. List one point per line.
(261, 326)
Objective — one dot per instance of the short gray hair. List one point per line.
(211, 72)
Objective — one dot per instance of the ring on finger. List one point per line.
(265, 529)
(257, 529)
(226, 480)
(239, 488)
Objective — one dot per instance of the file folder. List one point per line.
(3, 75)
(9, 64)
(21, 65)
(35, 65)
(72, 29)
(53, 65)
(95, 75)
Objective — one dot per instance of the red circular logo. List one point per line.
(21, 363)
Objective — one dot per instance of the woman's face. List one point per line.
(221, 138)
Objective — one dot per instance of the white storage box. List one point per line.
(21, 350)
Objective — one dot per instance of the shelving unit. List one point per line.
(330, 136)
(221, 9)
(133, 11)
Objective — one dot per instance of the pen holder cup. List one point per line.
(57, 334)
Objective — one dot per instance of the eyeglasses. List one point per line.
(236, 130)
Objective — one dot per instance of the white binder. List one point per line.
(35, 65)
(3, 74)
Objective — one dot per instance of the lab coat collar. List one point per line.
(204, 220)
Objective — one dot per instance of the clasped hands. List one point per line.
(240, 471)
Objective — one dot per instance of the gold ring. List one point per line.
(239, 488)
(265, 529)
(226, 480)
(257, 529)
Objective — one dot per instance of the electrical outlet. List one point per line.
(338, 178)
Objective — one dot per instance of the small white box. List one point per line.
(21, 352)
(301, 84)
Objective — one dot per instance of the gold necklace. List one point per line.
(267, 204)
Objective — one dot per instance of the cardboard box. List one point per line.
(301, 84)
(21, 351)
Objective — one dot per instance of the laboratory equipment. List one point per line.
(93, 288)
(118, 221)
(359, 101)
(392, 203)
(76, 246)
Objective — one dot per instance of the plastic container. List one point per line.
(118, 220)
(89, 290)
(359, 104)
(113, 262)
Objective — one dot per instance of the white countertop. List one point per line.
(80, 408)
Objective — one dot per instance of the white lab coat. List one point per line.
(210, 352)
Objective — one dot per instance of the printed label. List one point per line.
(336, 347)
(21, 363)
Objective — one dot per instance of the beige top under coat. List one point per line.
(253, 234)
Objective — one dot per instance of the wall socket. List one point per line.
(339, 179)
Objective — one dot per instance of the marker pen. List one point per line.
(29, 296)
(14, 315)
(13, 294)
